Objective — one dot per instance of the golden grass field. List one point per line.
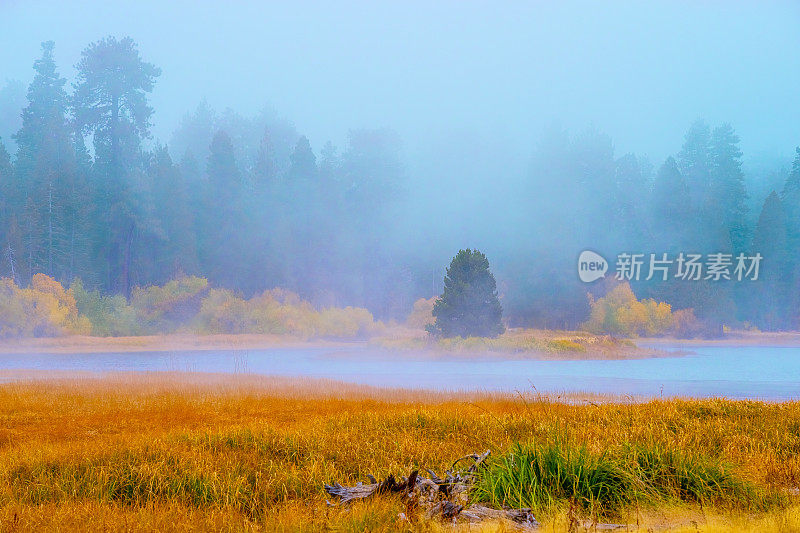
(176, 452)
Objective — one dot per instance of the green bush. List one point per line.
(109, 315)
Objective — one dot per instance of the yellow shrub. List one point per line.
(422, 313)
(280, 312)
(44, 309)
(620, 313)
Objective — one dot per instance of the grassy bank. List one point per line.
(521, 343)
(173, 452)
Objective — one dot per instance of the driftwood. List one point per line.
(443, 498)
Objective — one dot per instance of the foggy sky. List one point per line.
(493, 73)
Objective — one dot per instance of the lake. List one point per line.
(758, 372)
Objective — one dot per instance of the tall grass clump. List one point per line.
(680, 475)
(546, 476)
(542, 477)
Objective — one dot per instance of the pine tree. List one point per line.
(770, 308)
(221, 239)
(694, 160)
(79, 225)
(45, 172)
(627, 215)
(6, 182)
(6, 173)
(110, 103)
(728, 196)
(303, 161)
(671, 206)
(791, 201)
(175, 253)
(264, 171)
(468, 306)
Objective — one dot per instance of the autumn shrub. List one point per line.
(44, 309)
(422, 313)
(280, 312)
(163, 309)
(620, 313)
(109, 315)
(221, 311)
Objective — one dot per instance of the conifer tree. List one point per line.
(468, 306)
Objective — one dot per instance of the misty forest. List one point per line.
(240, 205)
(399, 266)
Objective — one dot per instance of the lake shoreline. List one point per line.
(641, 348)
(734, 338)
(419, 346)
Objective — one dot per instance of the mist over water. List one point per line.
(503, 128)
(769, 373)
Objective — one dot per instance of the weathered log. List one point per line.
(479, 513)
(360, 491)
(445, 499)
(437, 495)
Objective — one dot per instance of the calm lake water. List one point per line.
(761, 372)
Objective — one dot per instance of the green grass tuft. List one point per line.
(545, 477)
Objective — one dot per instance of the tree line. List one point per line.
(697, 201)
(248, 204)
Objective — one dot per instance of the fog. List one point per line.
(429, 70)
(475, 91)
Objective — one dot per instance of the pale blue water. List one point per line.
(759, 372)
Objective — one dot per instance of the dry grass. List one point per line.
(167, 452)
(521, 343)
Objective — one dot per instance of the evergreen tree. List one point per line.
(791, 200)
(694, 161)
(728, 196)
(221, 238)
(627, 215)
(42, 195)
(80, 225)
(6, 182)
(468, 306)
(671, 206)
(110, 103)
(6, 172)
(261, 207)
(770, 305)
(176, 254)
(264, 172)
(297, 217)
(303, 161)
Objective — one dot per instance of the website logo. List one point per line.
(591, 266)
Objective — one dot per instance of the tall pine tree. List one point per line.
(110, 103)
(728, 196)
(43, 196)
(769, 303)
